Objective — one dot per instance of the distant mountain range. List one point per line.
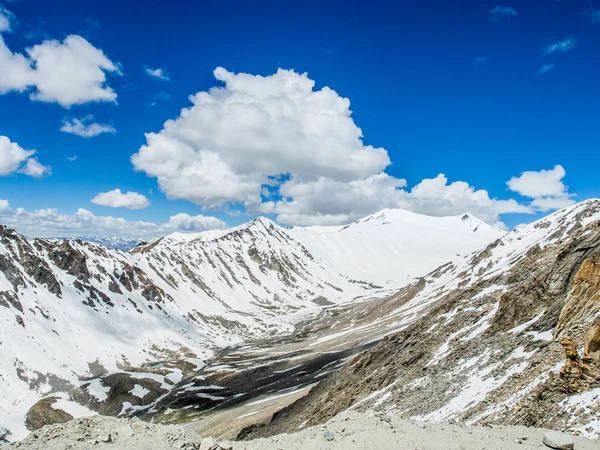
(111, 242)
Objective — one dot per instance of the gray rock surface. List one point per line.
(352, 431)
(557, 440)
(208, 444)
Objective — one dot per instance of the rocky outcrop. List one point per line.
(10, 298)
(69, 259)
(43, 413)
(591, 343)
(578, 374)
(584, 298)
(11, 272)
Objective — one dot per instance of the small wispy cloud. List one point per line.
(480, 59)
(564, 46)
(72, 158)
(7, 19)
(500, 12)
(546, 68)
(160, 97)
(159, 74)
(86, 127)
(593, 14)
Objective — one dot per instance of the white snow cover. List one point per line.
(216, 288)
(393, 246)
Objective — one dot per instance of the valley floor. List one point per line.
(245, 385)
(349, 431)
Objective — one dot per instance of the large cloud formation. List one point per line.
(233, 138)
(275, 145)
(69, 73)
(50, 223)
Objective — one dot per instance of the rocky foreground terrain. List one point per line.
(351, 430)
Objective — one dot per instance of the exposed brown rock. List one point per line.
(578, 374)
(591, 348)
(584, 298)
(42, 413)
(153, 293)
(570, 348)
(71, 260)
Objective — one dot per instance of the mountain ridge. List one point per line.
(73, 309)
(493, 338)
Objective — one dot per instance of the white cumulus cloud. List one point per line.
(233, 138)
(329, 202)
(539, 184)
(70, 72)
(14, 158)
(185, 223)
(35, 169)
(545, 187)
(51, 223)
(86, 127)
(332, 203)
(158, 73)
(117, 199)
(551, 203)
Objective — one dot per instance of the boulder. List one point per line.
(559, 441)
(208, 444)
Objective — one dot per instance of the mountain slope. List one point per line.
(74, 310)
(507, 335)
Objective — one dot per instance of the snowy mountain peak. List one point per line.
(401, 218)
(263, 221)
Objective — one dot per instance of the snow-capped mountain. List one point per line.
(73, 309)
(508, 335)
(393, 246)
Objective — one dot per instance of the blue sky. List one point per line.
(478, 91)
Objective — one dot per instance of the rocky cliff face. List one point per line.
(482, 340)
